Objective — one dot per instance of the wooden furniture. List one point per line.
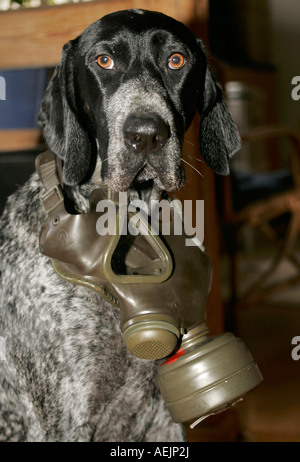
(261, 214)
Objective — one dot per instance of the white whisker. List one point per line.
(188, 142)
(186, 162)
(191, 156)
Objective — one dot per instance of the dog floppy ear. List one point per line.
(58, 117)
(219, 138)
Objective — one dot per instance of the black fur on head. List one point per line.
(79, 106)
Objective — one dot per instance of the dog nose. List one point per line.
(145, 133)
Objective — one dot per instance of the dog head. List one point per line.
(126, 91)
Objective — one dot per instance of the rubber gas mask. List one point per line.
(161, 287)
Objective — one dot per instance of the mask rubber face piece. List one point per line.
(208, 378)
(161, 288)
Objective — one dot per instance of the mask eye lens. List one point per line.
(105, 62)
(176, 61)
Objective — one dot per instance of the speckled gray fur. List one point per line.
(67, 375)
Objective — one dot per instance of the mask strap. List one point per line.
(49, 169)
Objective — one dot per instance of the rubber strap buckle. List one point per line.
(52, 198)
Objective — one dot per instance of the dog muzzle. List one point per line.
(161, 287)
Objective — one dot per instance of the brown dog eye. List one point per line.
(176, 61)
(105, 62)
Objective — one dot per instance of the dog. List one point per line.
(116, 108)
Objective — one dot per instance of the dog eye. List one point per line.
(105, 62)
(176, 61)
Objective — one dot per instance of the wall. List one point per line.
(285, 46)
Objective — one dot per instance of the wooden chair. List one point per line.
(263, 214)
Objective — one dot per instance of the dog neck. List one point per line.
(79, 194)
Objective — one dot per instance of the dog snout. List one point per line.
(145, 133)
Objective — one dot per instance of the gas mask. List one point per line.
(160, 286)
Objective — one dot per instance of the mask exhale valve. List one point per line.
(161, 287)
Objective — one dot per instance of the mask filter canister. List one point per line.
(207, 375)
